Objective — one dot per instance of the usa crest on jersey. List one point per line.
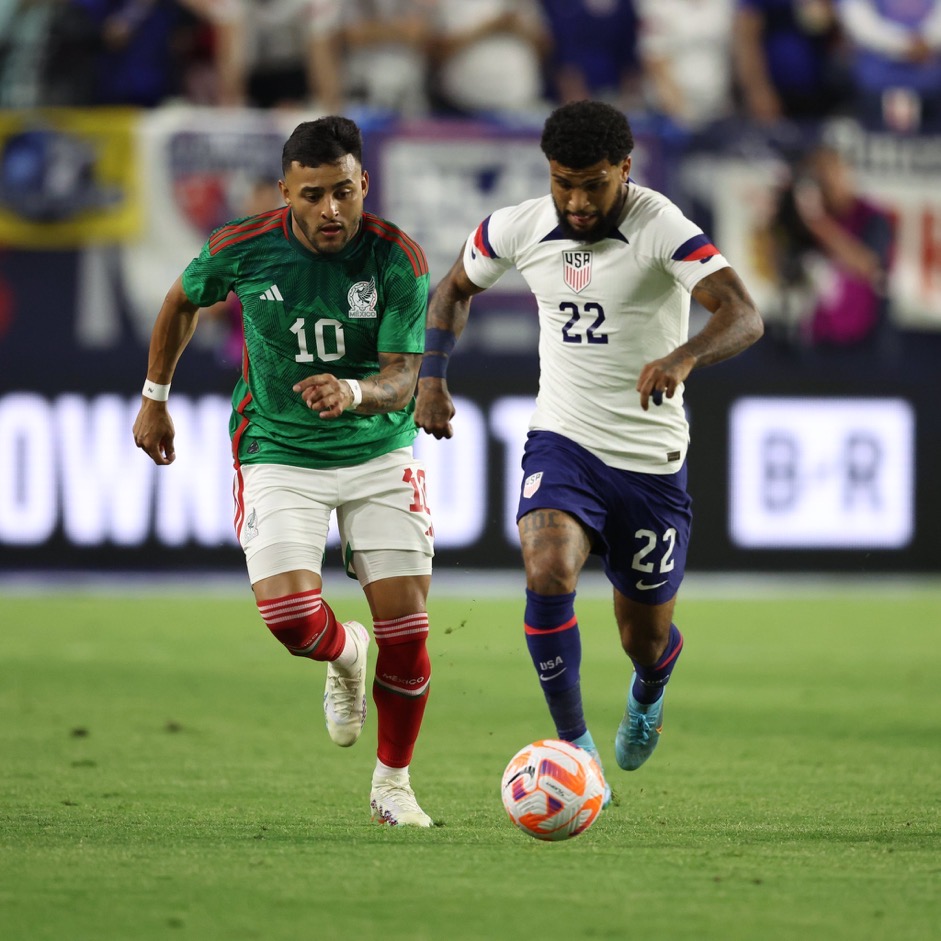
(576, 270)
(531, 484)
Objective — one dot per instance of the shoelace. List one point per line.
(640, 730)
(401, 794)
(343, 699)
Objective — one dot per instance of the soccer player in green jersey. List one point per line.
(333, 306)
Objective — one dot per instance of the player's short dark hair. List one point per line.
(580, 133)
(325, 140)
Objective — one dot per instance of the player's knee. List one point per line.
(296, 621)
(547, 575)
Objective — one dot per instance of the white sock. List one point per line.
(349, 654)
(383, 771)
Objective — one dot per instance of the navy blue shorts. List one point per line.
(641, 522)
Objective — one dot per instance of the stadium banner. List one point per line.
(821, 472)
(825, 481)
(770, 492)
(117, 497)
(69, 177)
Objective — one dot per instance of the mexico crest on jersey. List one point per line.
(362, 299)
(576, 270)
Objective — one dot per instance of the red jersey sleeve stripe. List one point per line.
(246, 224)
(252, 225)
(237, 237)
(257, 224)
(482, 240)
(394, 230)
(393, 234)
(695, 249)
(707, 251)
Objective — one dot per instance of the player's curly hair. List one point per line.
(325, 140)
(581, 133)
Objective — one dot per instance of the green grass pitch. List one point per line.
(165, 774)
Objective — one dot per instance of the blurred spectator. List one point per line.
(686, 48)
(895, 48)
(387, 44)
(834, 249)
(489, 57)
(785, 59)
(196, 52)
(138, 48)
(594, 52)
(46, 54)
(279, 53)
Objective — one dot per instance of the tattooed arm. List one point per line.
(733, 326)
(389, 390)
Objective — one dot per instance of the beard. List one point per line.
(601, 229)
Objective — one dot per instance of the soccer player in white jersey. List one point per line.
(612, 266)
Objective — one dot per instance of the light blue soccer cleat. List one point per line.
(587, 743)
(638, 732)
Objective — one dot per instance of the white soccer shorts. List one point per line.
(282, 513)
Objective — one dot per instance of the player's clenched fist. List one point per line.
(434, 408)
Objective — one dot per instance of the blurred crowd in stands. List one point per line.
(691, 69)
(690, 62)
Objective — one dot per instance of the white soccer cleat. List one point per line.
(393, 802)
(344, 697)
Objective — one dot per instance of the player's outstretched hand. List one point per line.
(154, 432)
(328, 396)
(434, 408)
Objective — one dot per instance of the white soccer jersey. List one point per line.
(605, 310)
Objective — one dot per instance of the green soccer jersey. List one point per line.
(306, 313)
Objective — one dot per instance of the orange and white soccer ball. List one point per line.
(552, 789)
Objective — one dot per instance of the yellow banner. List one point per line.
(68, 177)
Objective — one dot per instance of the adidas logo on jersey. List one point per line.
(272, 294)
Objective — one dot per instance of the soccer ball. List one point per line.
(552, 790)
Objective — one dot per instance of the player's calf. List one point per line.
(555, 646)
(400, 685)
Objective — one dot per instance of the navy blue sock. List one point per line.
(556, 649)
(649, 682)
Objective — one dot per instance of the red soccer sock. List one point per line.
(400, 687)
(304, 623)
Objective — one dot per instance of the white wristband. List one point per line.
(357, 391)
(156, 391)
